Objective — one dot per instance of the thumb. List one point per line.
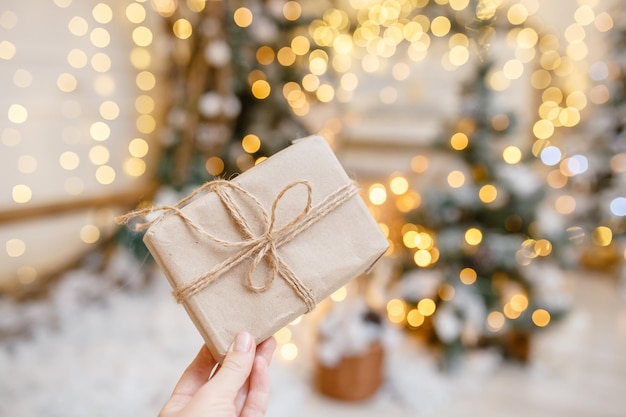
(237, 365)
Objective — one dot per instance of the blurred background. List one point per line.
(488, 138)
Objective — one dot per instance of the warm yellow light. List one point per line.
(283, 336)
(135, 13)
(100, 131)
(377, 194)
(512, 155)
(519, 302)
(426, 307)
(7, 50)
(100, 37)
(543, 247)
(69, 160)
(440, 26)
(78, 26)
(22, 193)
(165, 8)
(513, 69)
(510, 312)
(473, 236)
(251, 143)
(105, 175)
(399, 185)
(459, 141)
(584, 15)
(414, 318)
(488, 193)
(17, 113)
(325, 93)
(602, 236)
(517, 14)
(261, 89)
(243, 17)
(145, 80)
(422, 258)
(142, 36)
(543, 129)
(15, 247)
(135, 167)
(182, 28)
(340, 294)
(89, 233)
(495, 321)
(458, 5)
(292, 10)
(289, 351)
(99, 155)
(410, 239)
(456, 179)
(424, 241)
(144, 104)
(468, 276)
(109, 110)
(102, 13)
(77, 58)
(300, 45)
(396, 310)
(286, 56)
(459, 55)
(541, 317)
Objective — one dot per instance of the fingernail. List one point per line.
(243, 342)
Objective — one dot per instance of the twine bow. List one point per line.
(263, 246)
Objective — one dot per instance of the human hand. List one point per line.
(240, 387)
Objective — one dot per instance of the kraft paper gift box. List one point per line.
(256, 252)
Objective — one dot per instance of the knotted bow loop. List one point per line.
(268, 250)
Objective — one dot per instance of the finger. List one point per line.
(266, 349)
(194, 377)
(259, 389)
(236, 366)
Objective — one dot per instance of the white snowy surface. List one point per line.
(107, 345)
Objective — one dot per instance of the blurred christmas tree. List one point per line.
(470, 245)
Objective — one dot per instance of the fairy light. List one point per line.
(339, 295)
(541, 317)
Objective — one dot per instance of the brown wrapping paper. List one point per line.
(335, 249)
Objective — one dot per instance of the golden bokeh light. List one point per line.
(243, 17)
(377, 194)
(541, 317)
(473, 236)
(456, 179)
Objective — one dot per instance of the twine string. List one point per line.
(262, 247)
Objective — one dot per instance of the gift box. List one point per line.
(256, 252)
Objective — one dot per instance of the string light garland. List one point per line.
(79, 115)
